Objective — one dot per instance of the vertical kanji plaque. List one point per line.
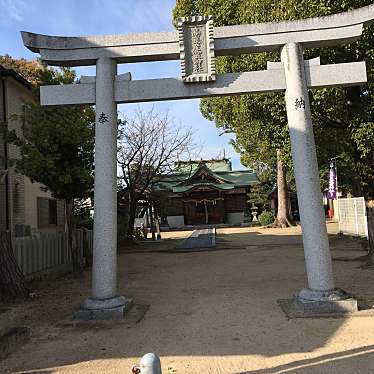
(196, 41)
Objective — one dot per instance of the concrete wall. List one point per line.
(175, 221)
(236, 218)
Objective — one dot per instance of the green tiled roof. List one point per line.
(223, 186)
(190, 167)
(240, 177)
(223, 179)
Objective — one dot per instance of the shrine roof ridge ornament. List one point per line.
(228, 40)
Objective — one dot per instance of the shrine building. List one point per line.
(205, 192)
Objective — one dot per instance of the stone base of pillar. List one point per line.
(335, 301)
(108, 309)
(311, 303)
(308, 295)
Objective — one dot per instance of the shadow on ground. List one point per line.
(211, 304)
(361, 359)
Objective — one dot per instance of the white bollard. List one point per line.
(149, 364)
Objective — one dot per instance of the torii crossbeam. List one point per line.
(197, 43)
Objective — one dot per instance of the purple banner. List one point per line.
(331, 193)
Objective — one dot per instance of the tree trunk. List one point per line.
(283, 215)
(152, 221)
(157, 222)
(76, 254)
(370, 220)
(132, 212)
(12, 281)
(86, 253)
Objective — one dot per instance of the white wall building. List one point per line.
(25, 207)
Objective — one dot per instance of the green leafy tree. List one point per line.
(258, 195)
(342, 117)
(30, 70)
(57, 149)
(266, 218)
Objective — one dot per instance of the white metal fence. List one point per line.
(44, 252)
(352, 216)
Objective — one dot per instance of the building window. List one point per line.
(50, 212)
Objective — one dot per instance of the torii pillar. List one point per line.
(104, 302)
(196, 43)
(321, 287)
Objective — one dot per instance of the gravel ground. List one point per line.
(209, 312)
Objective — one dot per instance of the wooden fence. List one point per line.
(46, 252)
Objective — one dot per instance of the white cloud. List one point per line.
(13, 10)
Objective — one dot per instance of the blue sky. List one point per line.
(94, 17)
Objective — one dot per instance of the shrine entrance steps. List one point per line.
(202, 238)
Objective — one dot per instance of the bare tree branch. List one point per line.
(149, 145)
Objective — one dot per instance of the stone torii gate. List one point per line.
(196, 43)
